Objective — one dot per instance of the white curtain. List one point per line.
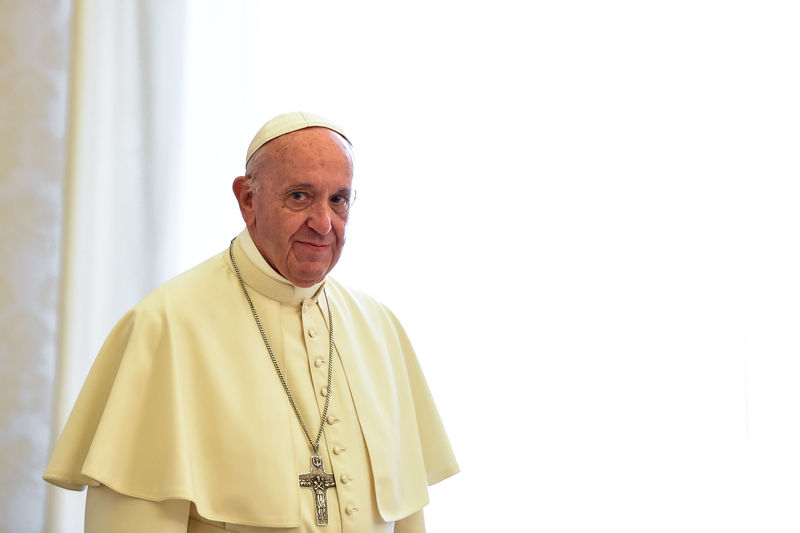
(121, 184)
(33, 82)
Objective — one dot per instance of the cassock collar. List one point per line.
(259, 275)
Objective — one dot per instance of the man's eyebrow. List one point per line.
(310, 186)
(291, 186)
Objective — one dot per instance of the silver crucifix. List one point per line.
(319, 481)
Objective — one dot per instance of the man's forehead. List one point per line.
(287, 123)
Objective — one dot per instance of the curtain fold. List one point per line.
(121, 184)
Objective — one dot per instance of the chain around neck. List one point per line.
(314, 444)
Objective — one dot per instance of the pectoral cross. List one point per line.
(319, 481)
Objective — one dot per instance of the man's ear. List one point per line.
(244, 195)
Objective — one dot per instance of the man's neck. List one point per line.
(250, 249)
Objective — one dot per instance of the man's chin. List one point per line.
(308, 277)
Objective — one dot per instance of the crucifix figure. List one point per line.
(319, 481)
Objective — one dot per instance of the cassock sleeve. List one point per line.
(411, 524)
(111, 512)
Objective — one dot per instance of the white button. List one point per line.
(324, 391)
(332, 419)
(319, 362)
(350, 509)
(312, 332)
(346, 478)
(337, 450)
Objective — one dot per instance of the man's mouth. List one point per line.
(314, 245)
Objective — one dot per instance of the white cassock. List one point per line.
(183, 421)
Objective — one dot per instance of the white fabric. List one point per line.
(110, 512)
(124, 122)
(182, 403)
(33, 94)
(286, 123)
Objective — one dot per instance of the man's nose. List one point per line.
(319, 218)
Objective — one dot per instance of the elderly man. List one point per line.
(254, 393)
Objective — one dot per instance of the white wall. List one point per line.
(586, 216)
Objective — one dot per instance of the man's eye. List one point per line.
(298, 196)
(340, 202)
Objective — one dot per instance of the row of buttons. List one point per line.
(319, 362)
(339, 450)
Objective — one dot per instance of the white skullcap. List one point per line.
(286, 123)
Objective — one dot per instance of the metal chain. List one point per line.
(314, 445)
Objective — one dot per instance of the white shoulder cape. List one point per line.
(180, 404)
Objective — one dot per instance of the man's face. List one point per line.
(296, 202)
